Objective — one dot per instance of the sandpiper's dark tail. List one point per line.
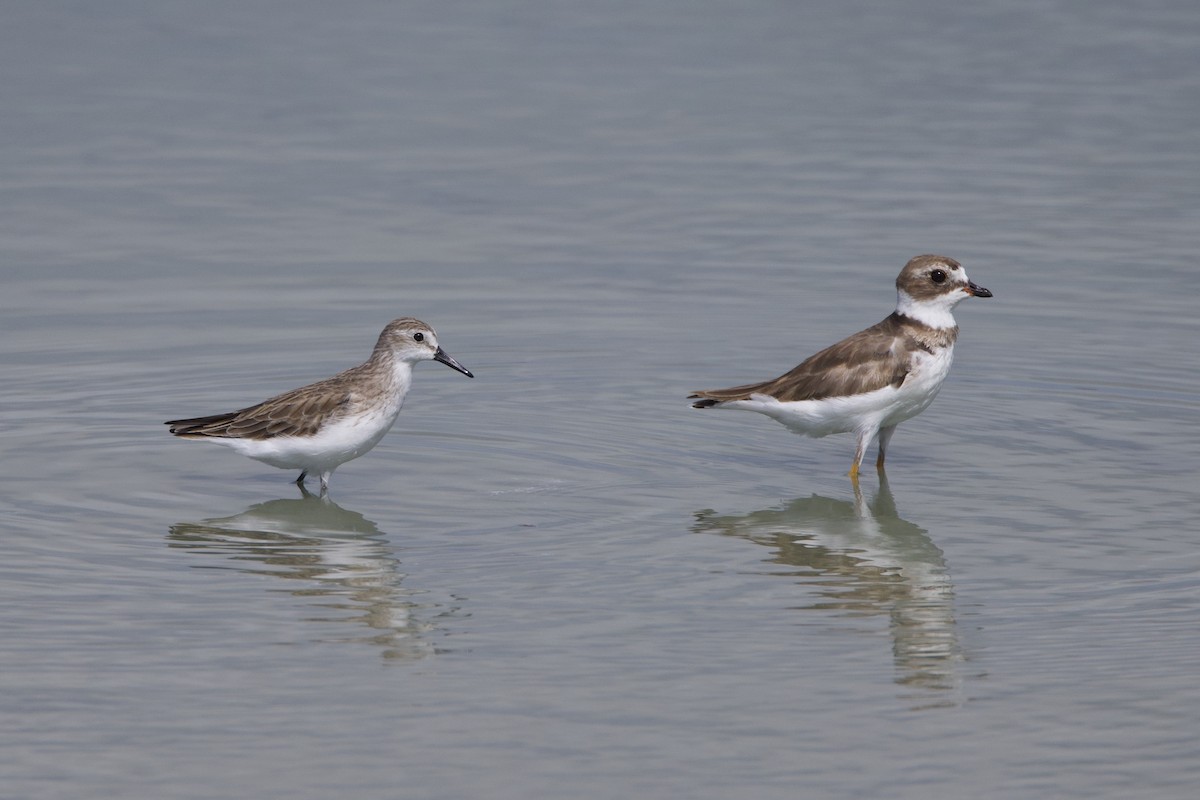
(215, 425)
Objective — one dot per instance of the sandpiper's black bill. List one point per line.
(443, 357)
(977, 290)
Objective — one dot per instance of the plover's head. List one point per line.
(929, 287)
(408, 339)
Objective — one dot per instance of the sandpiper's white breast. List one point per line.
(336, 442)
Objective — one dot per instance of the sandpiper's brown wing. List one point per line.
(870, 359)
(299, 412)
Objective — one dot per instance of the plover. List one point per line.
(872, 381)
(318, 427)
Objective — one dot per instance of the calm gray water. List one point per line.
(557, 580)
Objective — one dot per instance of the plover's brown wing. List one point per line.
(870, 359)
(297, 413)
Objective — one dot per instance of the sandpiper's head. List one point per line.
(411, 340)
(930, 286)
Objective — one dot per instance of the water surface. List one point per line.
(558, 579)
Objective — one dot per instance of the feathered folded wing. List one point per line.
(870, 359)
(296, 413)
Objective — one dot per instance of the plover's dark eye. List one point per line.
(938, 275)
(420, 337)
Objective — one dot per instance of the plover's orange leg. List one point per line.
(860, 450)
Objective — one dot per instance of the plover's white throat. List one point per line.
(872, 381)
(318, 427)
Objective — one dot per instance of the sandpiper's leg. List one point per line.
(885, 436)
(300, 480)
(325, 481)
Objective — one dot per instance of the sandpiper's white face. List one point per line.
(929, 287)
(412, 340)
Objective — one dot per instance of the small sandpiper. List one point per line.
(872, 381)
(319, 427)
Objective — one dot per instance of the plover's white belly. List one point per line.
(817, 418)
(921, 386)
(335, 443)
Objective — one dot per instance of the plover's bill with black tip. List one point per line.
(872, 381)
(318, 427)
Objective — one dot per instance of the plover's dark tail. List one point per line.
(709, 398)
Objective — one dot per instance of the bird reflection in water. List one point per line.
(863, 559)
(336, 560)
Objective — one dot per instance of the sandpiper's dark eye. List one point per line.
(420, 337)
(938, 275)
